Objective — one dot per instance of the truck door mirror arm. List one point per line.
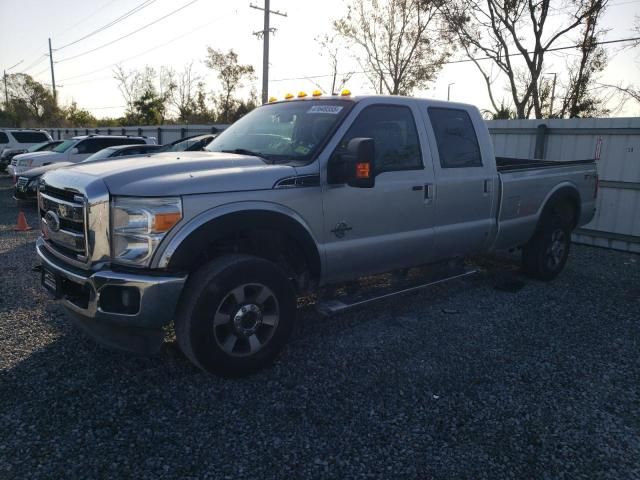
(355, 166)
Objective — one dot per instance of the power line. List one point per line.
(128, 34)
(466, 60)
(83, 19)
(175, 39)
(122, 17)
(37, 62)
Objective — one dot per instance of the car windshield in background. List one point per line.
(30, 137)
(291, 131)
(183, 146)
(101, 155)
(36, 147)
(64, 146)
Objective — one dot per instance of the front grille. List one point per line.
(62, 217)
(22, 183)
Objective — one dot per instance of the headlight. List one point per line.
(25, 163)
(139, 225)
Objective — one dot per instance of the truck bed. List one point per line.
(507, 164)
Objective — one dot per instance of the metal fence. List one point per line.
(163, 134)
(614, 142)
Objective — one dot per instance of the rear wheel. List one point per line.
(545, 255)
(236, 315)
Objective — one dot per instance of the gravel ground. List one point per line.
(457, 381)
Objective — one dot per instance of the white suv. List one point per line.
(73, 150)
(19, 140)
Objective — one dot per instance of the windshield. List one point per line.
(283, 131)
(100, 155)
(64, 146)
(36, 147)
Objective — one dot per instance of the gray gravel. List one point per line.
(459, 381)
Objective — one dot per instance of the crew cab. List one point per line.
(295, 196)
(72, 150)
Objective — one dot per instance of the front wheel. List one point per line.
(236, 314)
(545, 255)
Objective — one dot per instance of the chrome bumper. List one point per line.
(158, 298)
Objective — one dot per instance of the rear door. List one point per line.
(368, 230)
(464, 184)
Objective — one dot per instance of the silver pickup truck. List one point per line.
(297, 195)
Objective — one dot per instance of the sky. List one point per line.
(182, 37)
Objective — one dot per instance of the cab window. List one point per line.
(395, 137)
(456, 138)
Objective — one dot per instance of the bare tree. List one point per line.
(399, 43)
(331, 48)
(183, 97)
(515, 32)
(145, 92)
(232, 76)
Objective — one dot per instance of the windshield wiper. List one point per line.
(244, 151)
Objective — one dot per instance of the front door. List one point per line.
(372, 230)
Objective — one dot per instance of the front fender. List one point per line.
(176, 239)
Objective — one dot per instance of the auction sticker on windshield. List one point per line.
(332, 109)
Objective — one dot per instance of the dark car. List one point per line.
(27, 182)
(38, 147)
(189, 144)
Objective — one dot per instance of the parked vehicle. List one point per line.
(38, 147)
(294, 196)
(73, 150)
(15, 140)
(27, 183)
(190, 144)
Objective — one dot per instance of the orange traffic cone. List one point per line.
(22, 225)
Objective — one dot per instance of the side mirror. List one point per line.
(73, 151)
(355, 166)
(360, 167)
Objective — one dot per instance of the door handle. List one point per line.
(417, 188)
(487, 185)
(429, 192)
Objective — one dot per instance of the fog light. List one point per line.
(123, 300)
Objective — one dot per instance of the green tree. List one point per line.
(31, 104)
(232, 76)
(75, 116)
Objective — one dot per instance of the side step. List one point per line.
(332, 306)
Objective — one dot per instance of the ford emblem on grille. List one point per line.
(53, 222)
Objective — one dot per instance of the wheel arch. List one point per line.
(246, 220)
(565, 193)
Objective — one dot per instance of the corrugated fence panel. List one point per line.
(163, 134)
(617, 221)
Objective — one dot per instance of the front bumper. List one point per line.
(88, 297)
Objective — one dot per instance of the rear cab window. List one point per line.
(30, 137)
(455, 137)
(3, 138)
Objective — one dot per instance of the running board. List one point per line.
(332, 306)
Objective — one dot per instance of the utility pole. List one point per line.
(449, 90)
(53, 77)
(265, 32)
(553, 93)
(6, 92)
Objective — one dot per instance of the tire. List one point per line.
(235, 315)
(545, 255)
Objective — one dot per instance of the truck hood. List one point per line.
(36, 172)
(181, 173)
